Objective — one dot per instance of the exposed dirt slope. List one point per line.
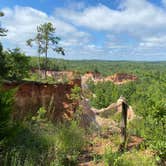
(30, 96)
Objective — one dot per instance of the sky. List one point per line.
(90, 29)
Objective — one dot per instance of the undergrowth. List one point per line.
(40, 142)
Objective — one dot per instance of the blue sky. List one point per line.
(91, 29)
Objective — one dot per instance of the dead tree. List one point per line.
(122, 107)
(123, 124)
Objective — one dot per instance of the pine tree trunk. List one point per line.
(39, 65)
(46, 52)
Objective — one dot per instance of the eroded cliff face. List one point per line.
(59, 76)
(30, 96)
(121, 78)
(117, 78)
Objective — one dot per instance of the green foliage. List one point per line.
(75, 93)
(38, 42)
(3, 63)
(137, 127)
(42, 143)
(132, 158)
(14, 65)
(155, 134)
(69, 141)
(127, 90)
(13, 158)
(52, 63)
(140, 69)
(6, 101)
(40, 114)
(147, 104)
(110, 157)
(39, 140)
(17, 64)
(135, 159)
(46, 39)
(106, 93)
(32, 145)
(116, 139)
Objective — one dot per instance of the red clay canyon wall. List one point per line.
(121, 78)
(117, 78)
(30, 96)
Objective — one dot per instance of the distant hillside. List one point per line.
(104, 67)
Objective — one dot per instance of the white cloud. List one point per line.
(138, 18)
(154, 41)
(21, 23)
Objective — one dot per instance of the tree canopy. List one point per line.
(45, 40)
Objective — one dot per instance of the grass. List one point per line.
(131, 158)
